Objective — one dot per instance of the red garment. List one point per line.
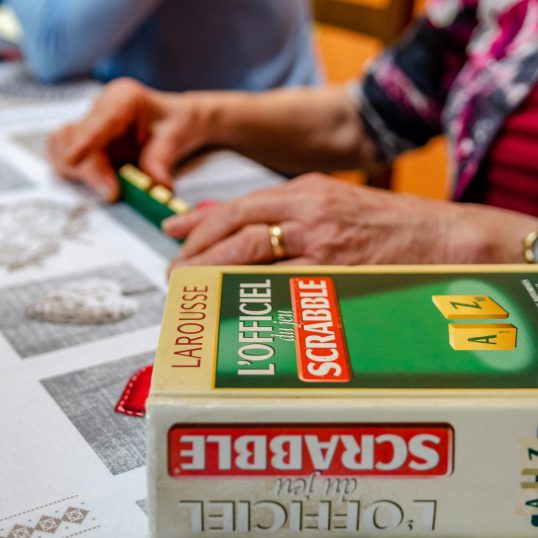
(509, 178)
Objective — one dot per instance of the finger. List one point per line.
(160, 154)
(250, 245)
(222, 221)
(56, 148)
(120, 105)
(95, 171)
(179, 226)
(98, 174)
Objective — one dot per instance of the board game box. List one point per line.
(334, 401)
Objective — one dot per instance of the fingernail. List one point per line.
(165, 224)
(170, 223)
(104, 192)
(207, 203)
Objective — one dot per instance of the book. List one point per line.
(339, 401)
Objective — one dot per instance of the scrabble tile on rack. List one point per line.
(161, 194)
(136, 177)
(178, 206)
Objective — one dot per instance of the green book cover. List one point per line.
(393, 334)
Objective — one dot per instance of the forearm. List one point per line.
(293, 130)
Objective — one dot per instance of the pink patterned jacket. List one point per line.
(462, 70)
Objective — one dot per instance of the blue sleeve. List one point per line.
(67, 37)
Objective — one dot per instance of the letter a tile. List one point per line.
(483, 336)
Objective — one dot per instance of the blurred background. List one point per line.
(345, 53)
(348, 34)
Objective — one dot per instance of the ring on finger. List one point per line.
(277, 242)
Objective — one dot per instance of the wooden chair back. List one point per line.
(385, 23)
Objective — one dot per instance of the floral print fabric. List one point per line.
(462, 70)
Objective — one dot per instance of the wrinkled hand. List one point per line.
(326, 221)
(128, 123)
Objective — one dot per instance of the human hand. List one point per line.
(325, 221)
(128, 123)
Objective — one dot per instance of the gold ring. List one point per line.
(277, 244)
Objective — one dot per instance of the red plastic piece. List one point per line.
(135, 394)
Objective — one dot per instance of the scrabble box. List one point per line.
(333, 401)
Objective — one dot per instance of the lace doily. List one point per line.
(88, 301)
(33, 230)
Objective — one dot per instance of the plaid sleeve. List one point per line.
(402, 97)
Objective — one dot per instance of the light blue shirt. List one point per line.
(171, 44)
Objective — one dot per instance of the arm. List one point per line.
(396, 107)
(66, 37)
(340, 223)
(295, 130)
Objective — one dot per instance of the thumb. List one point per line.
(163, 149)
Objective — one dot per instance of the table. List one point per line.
(70, 465)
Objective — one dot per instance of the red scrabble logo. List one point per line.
(406, 451)
(321, 345)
